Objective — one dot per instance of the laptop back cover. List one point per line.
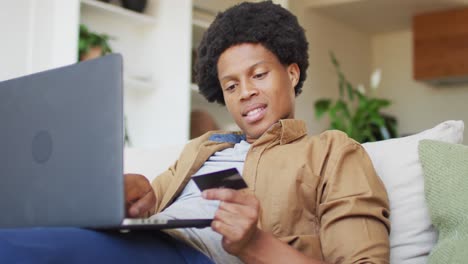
(61, 146)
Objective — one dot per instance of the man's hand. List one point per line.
(139, 195)
(236, 218)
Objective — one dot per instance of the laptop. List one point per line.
(61, 150)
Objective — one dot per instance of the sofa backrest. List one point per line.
(397, 162)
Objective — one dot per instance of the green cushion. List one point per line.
(445, 169)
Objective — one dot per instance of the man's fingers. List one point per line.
(232, 218)
(227, 230)
(143, 205)
(136, 186)
(236, 218)
(229, 195)
(238, 209)
(139, 195)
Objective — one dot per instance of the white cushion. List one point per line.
(397, 163)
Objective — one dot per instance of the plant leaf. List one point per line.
(377, 119)
(341, 83)
(333, 59)
(351, 91)
(88, 39)
(321, 107)
(360, 119)
(343, 107)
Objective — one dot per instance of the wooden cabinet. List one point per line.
(441, 46)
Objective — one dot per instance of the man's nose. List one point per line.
(248, 90)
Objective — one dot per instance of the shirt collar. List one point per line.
(229, 138)
(287, 130)
(291, 129)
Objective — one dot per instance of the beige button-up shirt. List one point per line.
(319, 194)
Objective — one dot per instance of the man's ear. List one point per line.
(294, 73)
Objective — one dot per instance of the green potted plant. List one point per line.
(92, 44)
(355, 112)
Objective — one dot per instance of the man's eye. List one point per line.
(230, 87)
(260, 75)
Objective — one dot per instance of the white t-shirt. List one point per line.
(190, 204)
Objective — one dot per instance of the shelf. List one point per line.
(202, 18)
(324, 3)
(200, 23)
(119, 12)
(134, 83)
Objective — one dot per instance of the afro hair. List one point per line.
(262, 23)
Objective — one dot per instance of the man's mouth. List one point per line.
(255, 113)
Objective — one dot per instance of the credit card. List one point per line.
(229, 178)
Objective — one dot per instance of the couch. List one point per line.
(412, 180)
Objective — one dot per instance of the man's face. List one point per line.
(257, 88)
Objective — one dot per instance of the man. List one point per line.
(310, 199)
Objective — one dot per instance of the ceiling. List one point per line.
(369, 16)
(379, 16)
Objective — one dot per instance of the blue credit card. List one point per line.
(229, 178)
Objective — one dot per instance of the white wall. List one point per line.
(14, 61)
(417, 105)
(352, 49)
(169, 104)
(37, 35)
